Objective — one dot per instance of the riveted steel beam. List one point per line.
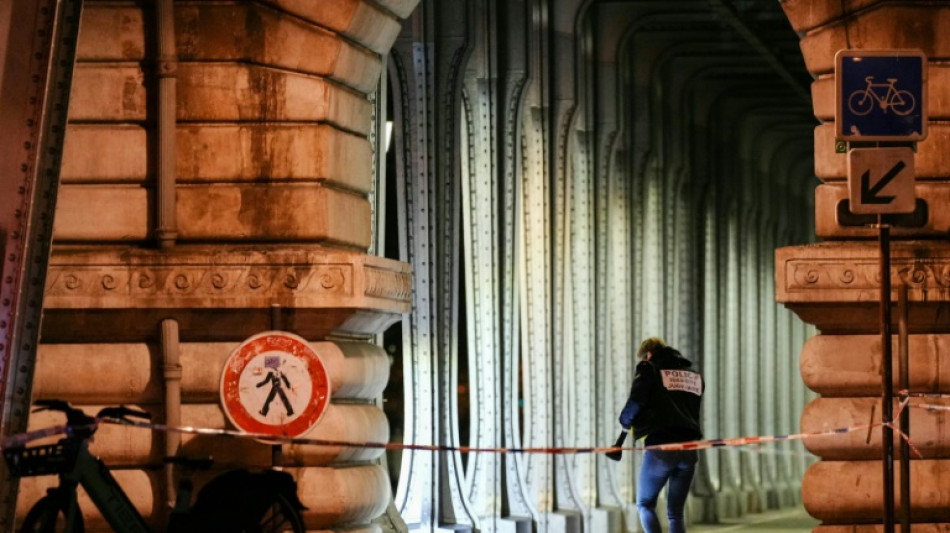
(34, 100)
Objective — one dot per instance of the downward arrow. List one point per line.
(869, 194)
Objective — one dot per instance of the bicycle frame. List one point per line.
(267, 498)
(94, 476)
(882, 101)
(888, 96)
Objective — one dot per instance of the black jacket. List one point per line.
(664, 400)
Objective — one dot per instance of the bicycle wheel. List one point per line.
(48, 515)
(903, 103)
(280, 516)
(860, 102)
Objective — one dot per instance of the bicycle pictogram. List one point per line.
(886, 95)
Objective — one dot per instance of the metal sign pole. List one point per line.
(904, 377)
(881, 179)
(887, 410)
(276, 450)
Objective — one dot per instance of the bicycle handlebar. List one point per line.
(78, 417)
(121, 412)
(74, 416)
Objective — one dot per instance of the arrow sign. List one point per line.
(869, 193)
(881, 180)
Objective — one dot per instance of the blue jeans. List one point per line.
(675, 466)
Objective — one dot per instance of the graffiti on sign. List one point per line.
(274, 383)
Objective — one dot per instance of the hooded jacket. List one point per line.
(664, 400)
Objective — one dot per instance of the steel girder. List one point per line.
(584, 210)
(36, 82)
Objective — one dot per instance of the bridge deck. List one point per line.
(794, 520)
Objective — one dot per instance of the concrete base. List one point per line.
(515, 524)
(729, 504)
(783, 496)
(631, 518)
(564, 522)
(754, 500)
(454, 528)
(606, 520)
(702, 510)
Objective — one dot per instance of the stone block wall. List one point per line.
(271, 164)
(835, 284)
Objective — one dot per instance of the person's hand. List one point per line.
(615, 455)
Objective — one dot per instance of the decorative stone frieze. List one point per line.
(132, 287)
(836, 285)
(849, 271)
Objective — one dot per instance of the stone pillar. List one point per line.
(272, 172)
(835, 284)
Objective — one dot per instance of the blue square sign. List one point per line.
(881, 95)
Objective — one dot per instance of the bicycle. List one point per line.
(237, 501)
(900, 101)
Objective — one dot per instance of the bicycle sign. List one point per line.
(881, 95)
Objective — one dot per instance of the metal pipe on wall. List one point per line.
(166, 229)
(171, 367)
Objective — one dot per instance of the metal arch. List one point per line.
(35, 101)
(743, 291)
(431, 492)
(414, 504)
(493, 83)
(534, 269)
(611, 292)
(724, 8)
(580, 413)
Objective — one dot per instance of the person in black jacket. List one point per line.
(663, 408)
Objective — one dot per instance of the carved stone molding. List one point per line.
(849, 272)
(836, 285)
(319, 290)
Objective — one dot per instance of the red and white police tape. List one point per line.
(21, 439)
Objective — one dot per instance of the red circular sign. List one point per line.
(276, 384)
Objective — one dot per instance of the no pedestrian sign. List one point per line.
(274, 383)
(881, 180)
(881, 95)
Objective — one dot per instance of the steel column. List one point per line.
(34, 102)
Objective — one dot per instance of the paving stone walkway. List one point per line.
(794, 520)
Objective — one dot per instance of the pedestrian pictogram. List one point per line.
(881, 180)
(277, 380)
(881, 95)
(274, 383)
